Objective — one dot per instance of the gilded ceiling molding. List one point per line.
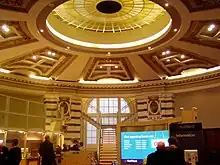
(17, 34)
(200, 32)
(172, 61)
(200, 5)
(17, 5)
(17, 81)
(99, 68)
(46, 62)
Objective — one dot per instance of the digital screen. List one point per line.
(135, 146)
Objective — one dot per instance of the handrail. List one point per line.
(127, 105)
(90, 120)
(99, 143)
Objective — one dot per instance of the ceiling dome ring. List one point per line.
(93, 47)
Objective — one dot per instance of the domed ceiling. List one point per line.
(83, 44)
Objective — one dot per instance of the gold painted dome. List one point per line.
(108, 15)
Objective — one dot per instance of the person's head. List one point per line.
(81, 144)
(173, 141)
(47, 137)
(14, 142)
(160, 145)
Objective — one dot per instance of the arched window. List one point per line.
(108, 111)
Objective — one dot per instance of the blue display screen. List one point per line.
(135, 146)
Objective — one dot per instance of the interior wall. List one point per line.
(207, 103)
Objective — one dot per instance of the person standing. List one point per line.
(176, 155)
(14, 155)
(46, 151)
(3, 154)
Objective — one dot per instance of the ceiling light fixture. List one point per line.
(149, 48)
(49, 52)
(211, 27)
(100, 67)
(4, 70)
(34, 57)
(175, 30)
(116, 66)
(163, 53)
(5, 28)
(182, 56)
(168, 60)
(168, 52)
(166, 4)
(68, 47)
(53, 54)
(41, 30)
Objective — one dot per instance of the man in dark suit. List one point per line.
(14, 155)
(46, 151)
(176, 155)
(159, 156)
(3, 154)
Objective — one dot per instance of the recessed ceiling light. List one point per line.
(34, 57)
(168, 52)
(168, 60)
(109, 53)
(163, 53)
(49, 52)
(149, 48)
(175, 30)
(116, 66)
(166, 4)
(53, 54)
(41, 30)
(68, 47)
(182, 56)
(211, 27)
(5, 28)
(100, 67)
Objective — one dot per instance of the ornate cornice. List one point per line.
(203, 81)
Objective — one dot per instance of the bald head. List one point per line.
(160, 145)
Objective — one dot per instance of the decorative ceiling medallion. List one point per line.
(109, 15)
(205, 33)
(46, 62)
(14, 33)
(100, 68)
(172, 61)
(198, 5)
(17, 5)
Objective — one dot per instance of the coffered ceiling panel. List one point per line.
(17, 5)
(206, 33)
(99, 68)
(198, 5)
(14, 33)
(173, 61)
(46, 62)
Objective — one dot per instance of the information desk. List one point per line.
(76, 158)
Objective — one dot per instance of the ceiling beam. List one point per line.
(205, 51)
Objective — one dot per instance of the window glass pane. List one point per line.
(124, 107)
(92, 106)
